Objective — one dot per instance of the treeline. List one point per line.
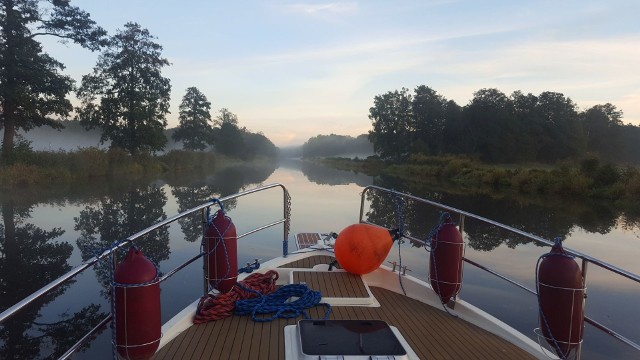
(335, 145)
(125, 97)
(498, 128)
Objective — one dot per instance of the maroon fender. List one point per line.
(221, 265)
(137, 308)
(445, 263)
(561, 300)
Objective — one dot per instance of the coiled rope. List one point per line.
(257, 295)
(215, 307)
(278, 304)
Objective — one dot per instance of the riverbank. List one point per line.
(92, 164)
(588, 178)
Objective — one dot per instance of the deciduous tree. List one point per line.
(429, 120)
(392, 124)
(126, 95)
(194, 130)
(32, 87)
(227, 136)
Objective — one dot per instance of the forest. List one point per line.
(125, 97)
(496, 128)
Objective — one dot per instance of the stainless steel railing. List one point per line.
(285, 220)
(586, 259)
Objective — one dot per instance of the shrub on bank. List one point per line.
(586, 178)
(42, 167)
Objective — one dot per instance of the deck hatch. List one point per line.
(348, 338)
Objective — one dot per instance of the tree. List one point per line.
(229, 140)
(455, 134)
(256, 144)
(32, 89)
(494, 131)
(126, 95)
(429, 117)
(228, 137)
(562, 134)
(226, 116)
(392, 124)
(602, 126)
(194, 130)
(526, 113)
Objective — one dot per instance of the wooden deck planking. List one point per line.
(333, 284)
(431, 333)
(310, 262)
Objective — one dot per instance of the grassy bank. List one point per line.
(90, 164)
(588, 178)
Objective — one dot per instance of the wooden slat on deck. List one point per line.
(431, 333)
(311, 261)
(333, 283)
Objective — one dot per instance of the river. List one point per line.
(45, 232)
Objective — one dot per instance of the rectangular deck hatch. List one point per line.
(348, 338)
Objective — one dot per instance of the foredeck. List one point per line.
(431, 333)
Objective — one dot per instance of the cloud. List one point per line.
(321, 9)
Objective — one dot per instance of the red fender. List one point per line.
(138, 322)
(561, 300)
(221, 265)
(445, 263)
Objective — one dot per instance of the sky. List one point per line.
(296, 69)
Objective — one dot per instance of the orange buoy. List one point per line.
(361, 248)
(445, 263)
(221, 245)
(137, 308)
(560, 300)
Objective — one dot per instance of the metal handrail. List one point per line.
(586, 259)
(89, 263)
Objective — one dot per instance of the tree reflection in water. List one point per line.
(548, 219)
(224, 182)
(113, 219)
(31, 258)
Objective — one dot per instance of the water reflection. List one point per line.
(190, 192)
(113, 219)
(324, 175)
(547, 218)
(322, 199)
(31, 258)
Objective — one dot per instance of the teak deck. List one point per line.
(431, 333)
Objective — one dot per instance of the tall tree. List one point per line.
(455, 134)
(392, 124)
(194, 129)
(602, 125)
(32, 89)
(563, 136)
(429, 117)
(226, 116)
(489, 117)
(126, 95)
(256, 144)
(228, 137)
(528, 116)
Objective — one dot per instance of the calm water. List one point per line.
(46, 232)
